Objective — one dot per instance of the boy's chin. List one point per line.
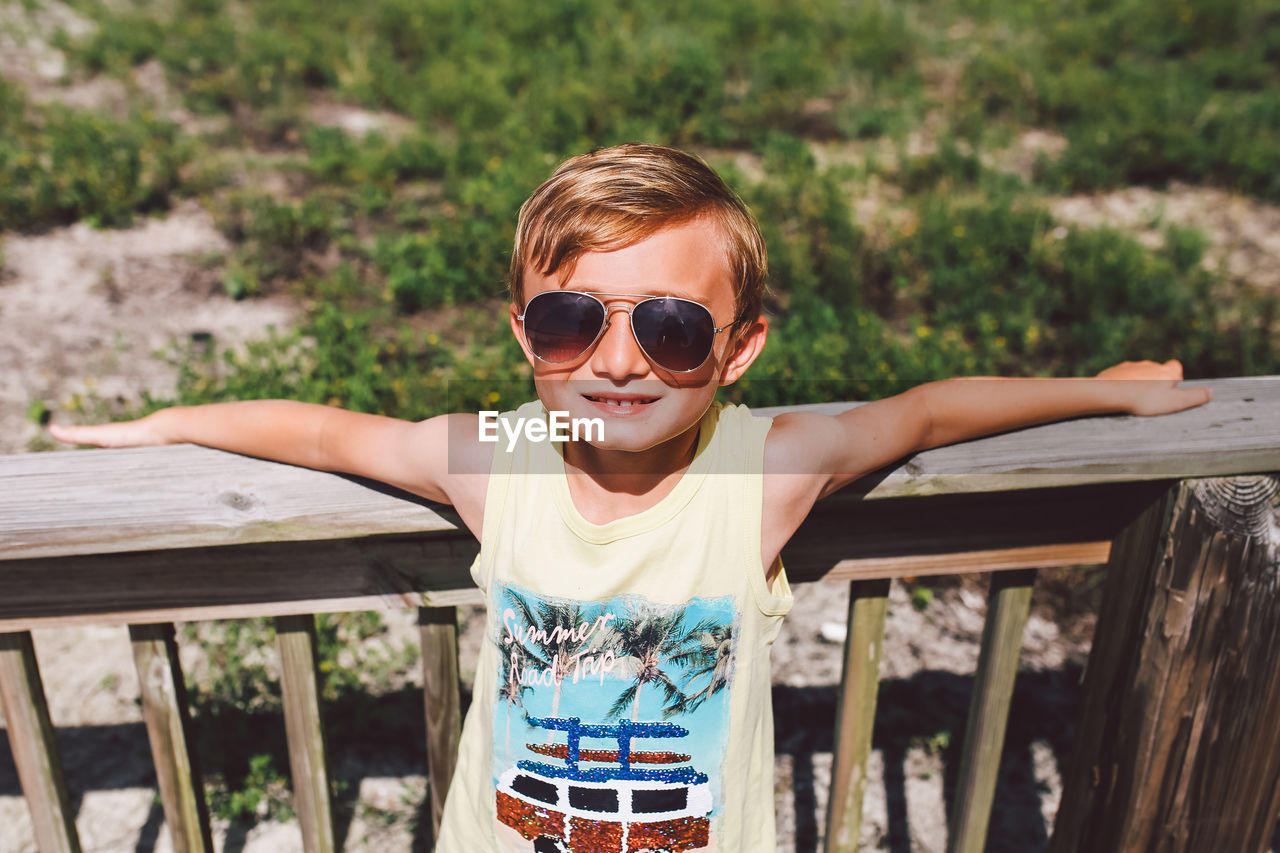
(636, 436)
(630, 437)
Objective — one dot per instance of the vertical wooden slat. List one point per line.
(26, 716)
(296, 642)
(439, 631)
(1179, 744)
(855, 713)
(164, 707)
(1008, 606)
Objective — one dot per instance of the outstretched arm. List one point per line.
(961, 409)
(824, 453)
(411, 456)
(809, 456)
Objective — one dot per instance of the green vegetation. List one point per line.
(58, 165)
(874, 140)
(240, 738)
(394, 234)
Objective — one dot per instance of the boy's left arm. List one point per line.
(815, 455)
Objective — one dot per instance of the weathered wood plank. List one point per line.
(448, 598)
(308, 759)
(845, 526)
(1009, 605)
(58, 504)
(856, 713)
(183, 584)
(1179, 746)
(995, 560)
(439, 633)
(35, 752)
(164, 707)
(55, 504)
(397, 571)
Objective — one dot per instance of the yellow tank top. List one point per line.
(622, 696)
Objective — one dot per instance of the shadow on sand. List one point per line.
(382, 736)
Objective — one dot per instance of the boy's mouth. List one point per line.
(620, 404)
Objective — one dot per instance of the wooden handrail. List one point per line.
(156, 498)
(121, 537)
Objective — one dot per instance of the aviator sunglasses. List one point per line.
(675, 334)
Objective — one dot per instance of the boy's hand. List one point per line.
(1155, 393)
(141, 432)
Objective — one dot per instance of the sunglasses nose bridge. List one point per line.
(616, 352)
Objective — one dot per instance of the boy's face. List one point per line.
(642, 404)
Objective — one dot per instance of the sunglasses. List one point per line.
(675, 334)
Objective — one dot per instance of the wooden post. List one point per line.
(439, 631)
(1009, 604)
(1179, 738)
(856, 713)
(164, 706)
(308, 762)
(35, 752)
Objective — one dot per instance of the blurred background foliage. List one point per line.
(876, 141)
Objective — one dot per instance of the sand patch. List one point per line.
(88, 312)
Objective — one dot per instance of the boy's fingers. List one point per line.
(100, 435)
(1193, 397)
(76, 434)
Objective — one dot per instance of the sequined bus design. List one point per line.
(606, 809)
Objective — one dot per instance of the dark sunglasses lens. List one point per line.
(561, 325)
(675, 333)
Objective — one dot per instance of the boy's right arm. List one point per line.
(415, 457)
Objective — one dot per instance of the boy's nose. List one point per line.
(617, 355)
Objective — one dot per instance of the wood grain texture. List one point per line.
(1179, 744)
(304, 727)
(1009, 605)
(846, 526)
(152, 498)
(856, 713)
(35, 752)
(969, 562)
(100, 501)
(438, 627)
(164, 708)
(285, 577)
(905, 536)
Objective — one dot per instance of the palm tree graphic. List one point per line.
(712, 659)
(510, 690)
(650, 645)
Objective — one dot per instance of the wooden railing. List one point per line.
(1178, 746)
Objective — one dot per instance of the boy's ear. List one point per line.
(517, 329)
(745, 347)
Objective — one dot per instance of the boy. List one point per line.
(633, 578)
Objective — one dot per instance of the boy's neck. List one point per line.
(610, 484)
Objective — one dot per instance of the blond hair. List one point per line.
(615, 197)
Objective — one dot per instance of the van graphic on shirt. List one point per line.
(611, 723)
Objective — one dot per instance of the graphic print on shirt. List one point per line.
(611, 722)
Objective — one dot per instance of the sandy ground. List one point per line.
(88, 313)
